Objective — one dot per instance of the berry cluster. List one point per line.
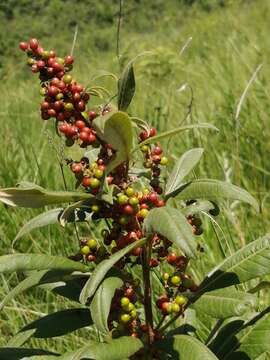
(64, 99)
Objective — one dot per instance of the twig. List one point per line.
(118, 31)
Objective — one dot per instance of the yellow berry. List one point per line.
(85, 250)
(124, 318)
(175, 308)
(164, 161)
(129, 191)
(125, 301)
(180, 300)
(92, 243)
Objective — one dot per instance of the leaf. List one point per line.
(101, 303)
(12, 353)
(182, 168)
(126, 87)
(225, 303)
(70, 213)
(172, 224)
(121, 348)
(116, 129)
(197, 207)
(59, 323)
(25, 262)
(92, 154)
(44, 219)
(253, 341)
(36, 279)
(169, 133)
(249, 262)
(20, 338)
(215, 190)
(102, 269)
(38, 197)
(185, 347)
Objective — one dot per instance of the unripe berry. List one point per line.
(164, 161)
(175, 280)
(176, 308)
(98, 173)
(122, 199)
(166, 307)
(94, 183)
(133, 314)
(92, 244)
(133, 201)
(180, 300)
(166, 276)
(144, 148)
(125, 301)
(143, 213)
(123, 220)
(124, 318)
(130, 191)
(85, 250)
(95, 208)
(68, 107)
(67, 79)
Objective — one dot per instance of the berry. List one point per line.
(124, 318)
(125, 301)
(69, 60)
(85, 250)
(130, 192)
(76, 168)
(166, 307)
(98, 173)
(176, 308)
(164, 161)
(23, 46)
(175, 280)
(67, 79)
(128, 210)
(122, 199)
(33, 43)
(172, 258)
(180, 300)
(92, 244)
(86, 181)
(143, 213)
(68, 107)
(166, 276)
(95, 208)
(94, 183)
(133, 201)
(152, 132)
(144, 148)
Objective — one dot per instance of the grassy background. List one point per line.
(229, 41)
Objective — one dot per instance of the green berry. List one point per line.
(129, 191)
(124, 318)
(95, 208)
(133, 314)
(98, 173)
(42, 91)
(122, 199)
(144, 148)
(125, 301)
(133, 201)
(176, 280)
(175, 308)
(164, 161)
(129, 307)
(67, 79)
(180, 300)
(68, 107)
(85, 250)
(92, 243)
(143, 213)
(123, 220)
(94, 183)
(59, 96)
(166, 276)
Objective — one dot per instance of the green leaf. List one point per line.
(182, 168)
(101, 303)
(25, 262)
(170, 133)
(249, 262)
(38, 197)
(196, 208)
(225, 303)
(121, 348)
(116, 129)
(214, 190)
(102, 269)
(44, 219)
(172, 224)
(59, 323)
(12, 353)
(20, 338)
(185, 347)
(254, 340)
(126, 87)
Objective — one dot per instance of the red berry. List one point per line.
(51, 112)
(23, 46)
(144, 206)
(69, 60)
(45, 105)
(51, 61)
(40, 64)
(60, 116)
(57, 67)
(160, 203)
(50, 71)
(86, 181)
(76, 168)
(40, 51)
(92, 115)
(144, 135)
(172, 258)
(52, 54)
(137, 251)
(153, 197)
(81, 105)
(91, 138)
(63, 128)
(84, 136)
(152, 132)
(34, 68)
(156, 159)
(153, 263)
(58, 105)
(76, 96)
(80, 124)
(52, 91)
(157, 150)
(128, 210)
(33, 43)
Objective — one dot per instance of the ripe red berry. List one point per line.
(63, 128)
(92, 115)
(76, 168)
(40, 64)
(157, 150)
(91, 138)
(23, 46)
(58, 105)
(51, 112)
(52, 91)
(40, 51)
(153, 132)
(33, 43)
(80, 124)
(45, 105)
(84, 136)
(171, 258)
(69, 60)
(153, 197)
(86, 181)
(128, 210)
(81, 105)
(35, 68)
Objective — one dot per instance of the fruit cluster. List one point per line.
(64, 98)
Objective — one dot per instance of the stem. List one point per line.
(118, 31)
(147, 291)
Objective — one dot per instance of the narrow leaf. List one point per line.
(250, 262)
(126, 87)
(182, 168)
(44, 219)
(12, 353)
(101, 303)
(102, 269)
(38, 197)
(121, 348)
(225, 303)
(215, 190)
(172, 224)
(25, 262)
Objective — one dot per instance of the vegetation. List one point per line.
(172, 79)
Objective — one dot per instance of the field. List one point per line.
(210, 62)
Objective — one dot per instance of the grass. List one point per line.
(227, 46)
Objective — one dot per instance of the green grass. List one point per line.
(227, 45)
